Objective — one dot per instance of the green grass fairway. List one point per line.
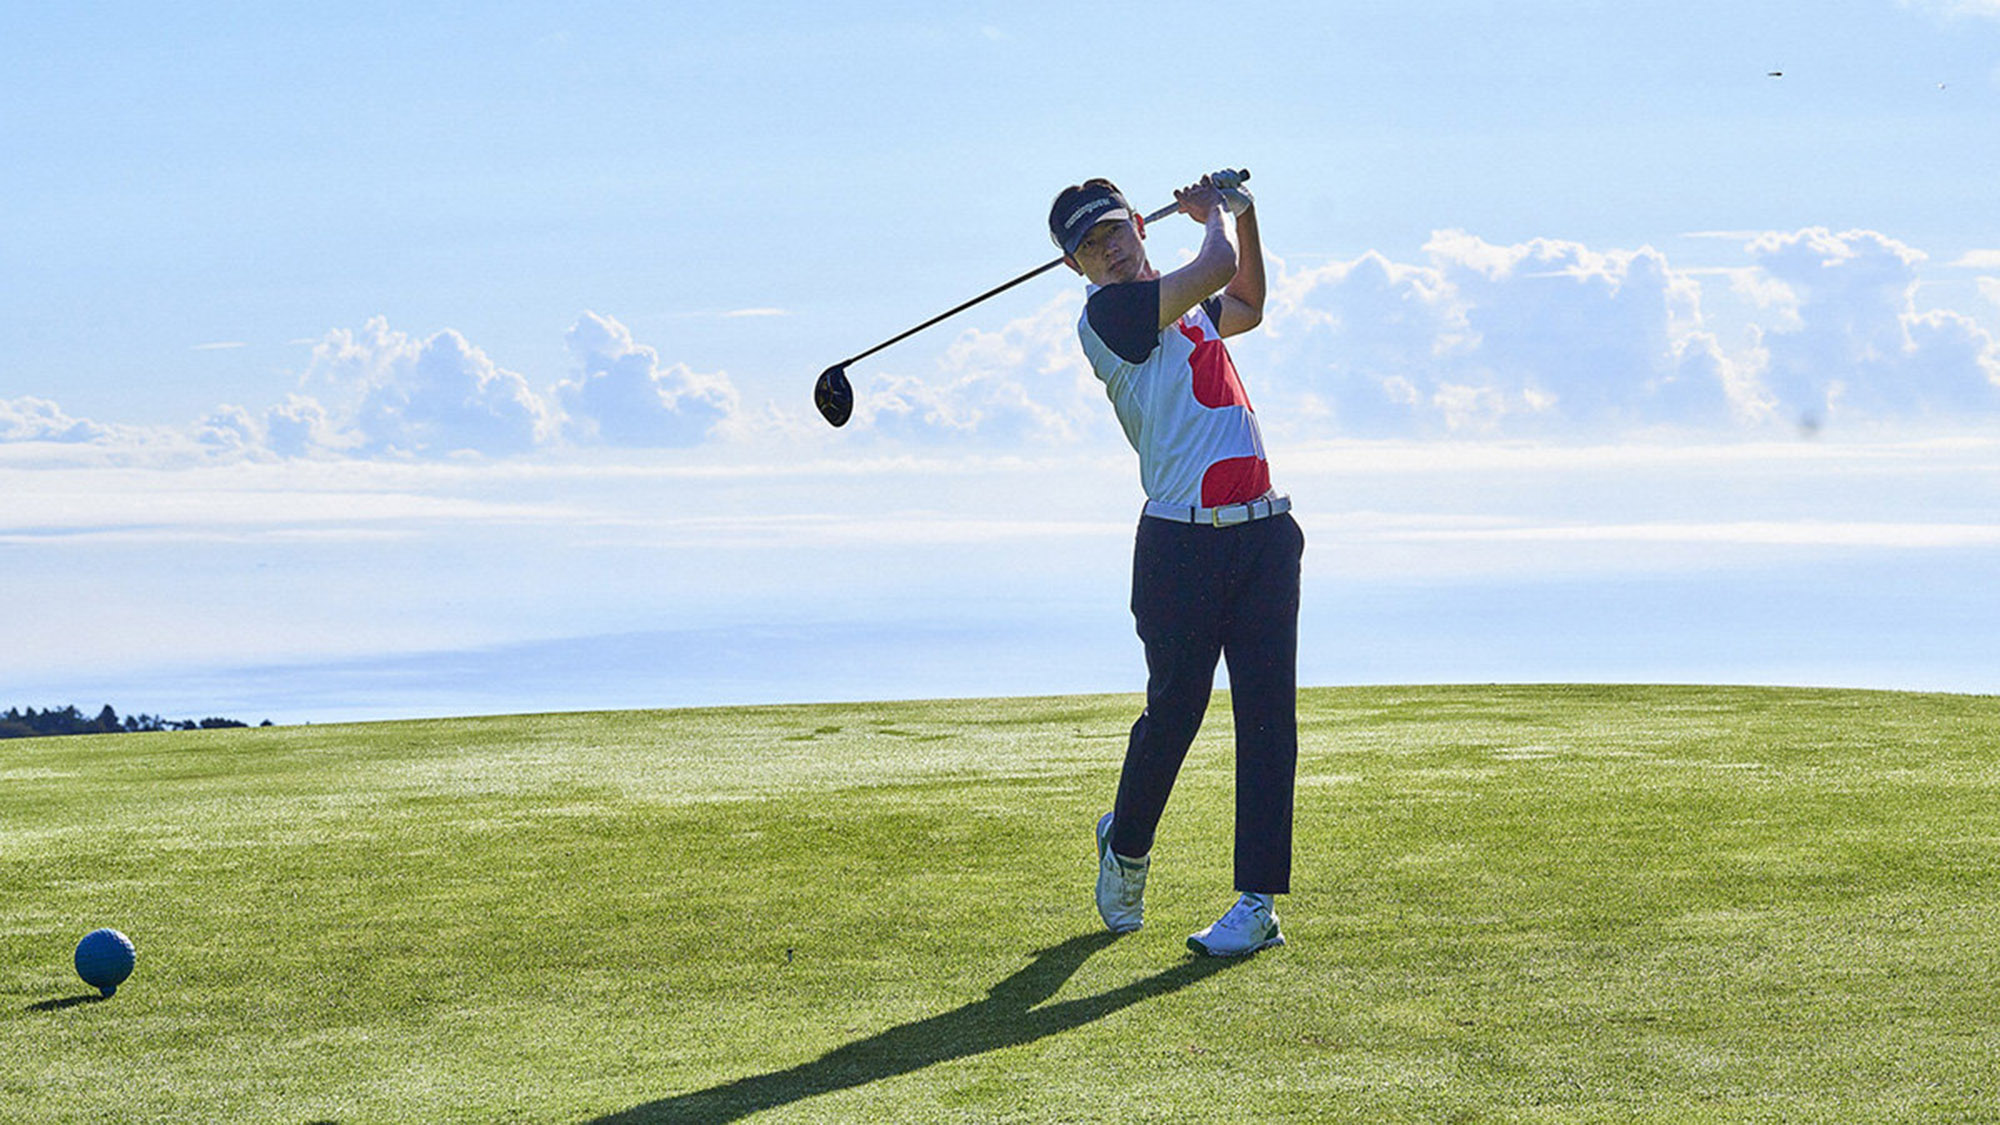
(1512, 904)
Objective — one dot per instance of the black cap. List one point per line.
(1079, 208)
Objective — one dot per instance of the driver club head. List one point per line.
(834, 395)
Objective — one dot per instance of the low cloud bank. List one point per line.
(38, 419)
(1544, 339)
(380, 392)
(1551, 338)
(621, 395)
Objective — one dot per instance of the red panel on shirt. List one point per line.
(1235, 481)
(1215, 381)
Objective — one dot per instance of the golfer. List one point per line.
(1215, 567)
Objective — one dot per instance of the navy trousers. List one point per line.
(1199, 593)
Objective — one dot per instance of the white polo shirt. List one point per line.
(1177, 396)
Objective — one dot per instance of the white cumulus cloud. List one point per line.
(1545, 339)
(1025, 382)
(387, 392)
(37, 419)
(1856, 344)
(301, 427)
(1541, 337)
(231, 430)
(622, 395)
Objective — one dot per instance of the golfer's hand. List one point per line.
(1197, 200)
(1236, 198)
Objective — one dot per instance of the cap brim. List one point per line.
(1116, 214)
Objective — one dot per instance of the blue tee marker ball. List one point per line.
(104, 958)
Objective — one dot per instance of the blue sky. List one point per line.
(419, 359)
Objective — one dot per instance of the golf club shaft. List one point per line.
(993, 292)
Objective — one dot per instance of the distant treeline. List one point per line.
(16, 723)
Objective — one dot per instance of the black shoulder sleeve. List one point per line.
(1127, 318)
(1213, 307)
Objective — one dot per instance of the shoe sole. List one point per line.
(1196, 945)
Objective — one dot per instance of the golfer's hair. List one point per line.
(1067, 199)
(1069, 193)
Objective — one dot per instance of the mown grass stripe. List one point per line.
(1546, 903)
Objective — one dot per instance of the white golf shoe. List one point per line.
(1121, 884)
(1249, 926)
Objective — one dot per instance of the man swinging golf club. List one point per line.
(1215, 568)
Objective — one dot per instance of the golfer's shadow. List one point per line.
(1007, 1017)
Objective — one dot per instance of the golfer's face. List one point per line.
(1111, 253)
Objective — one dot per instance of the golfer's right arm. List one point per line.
(1243, 299)
(1214, 265)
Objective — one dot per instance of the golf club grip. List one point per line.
(1038, 271)
(1241, 174)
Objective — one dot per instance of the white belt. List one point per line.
(1228, 515)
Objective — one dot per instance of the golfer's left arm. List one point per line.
(1243, 297)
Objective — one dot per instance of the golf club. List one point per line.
(834, 395)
